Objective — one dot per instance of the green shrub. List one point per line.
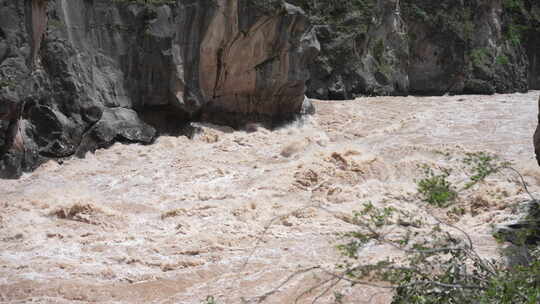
(479, 56)
(481, 165)
(436, 189)
(7, 83)
(513, 34)
(55, 23)
(378, 51)
(512, 4)
(511, 286)
(502, 60)
(351, 16)
(419, 13)
(438, 267)
(209, 300)
(438, 261)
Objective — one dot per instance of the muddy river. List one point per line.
(252, 217)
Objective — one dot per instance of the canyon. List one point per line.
(80, 75)
(213, 151)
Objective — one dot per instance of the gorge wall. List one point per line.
(76, 75)
(424, 47)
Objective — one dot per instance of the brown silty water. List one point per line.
(227, 214)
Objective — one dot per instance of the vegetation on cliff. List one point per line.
(447, 46)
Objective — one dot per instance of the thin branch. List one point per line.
(436, 283)
(266, 228)
(312, 289)
(476, 257)
(523, 183)
(337, 277)
(270, 223)
(326, 291)
(262, 298)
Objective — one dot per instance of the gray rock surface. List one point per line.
(77, 75)
(424, 47)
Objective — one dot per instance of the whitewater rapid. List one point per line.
(233, 214)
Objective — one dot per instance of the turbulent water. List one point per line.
(236, 215)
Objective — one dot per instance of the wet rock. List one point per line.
(256, 67)
(477, 86)
(116, 125)
(80, 75)
(523, 231)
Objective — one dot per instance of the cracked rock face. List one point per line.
(78, 75)
(255, 65)
(424, 47)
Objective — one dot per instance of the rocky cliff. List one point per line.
(393, 47)
(76, 75)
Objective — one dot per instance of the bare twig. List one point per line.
(523, 183)
(263, 297)
(271, 222)
(383, 238)
(322, 294)
(266, 228)
(436, 283)
(313, 288)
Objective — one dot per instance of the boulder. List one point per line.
(525, 229)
